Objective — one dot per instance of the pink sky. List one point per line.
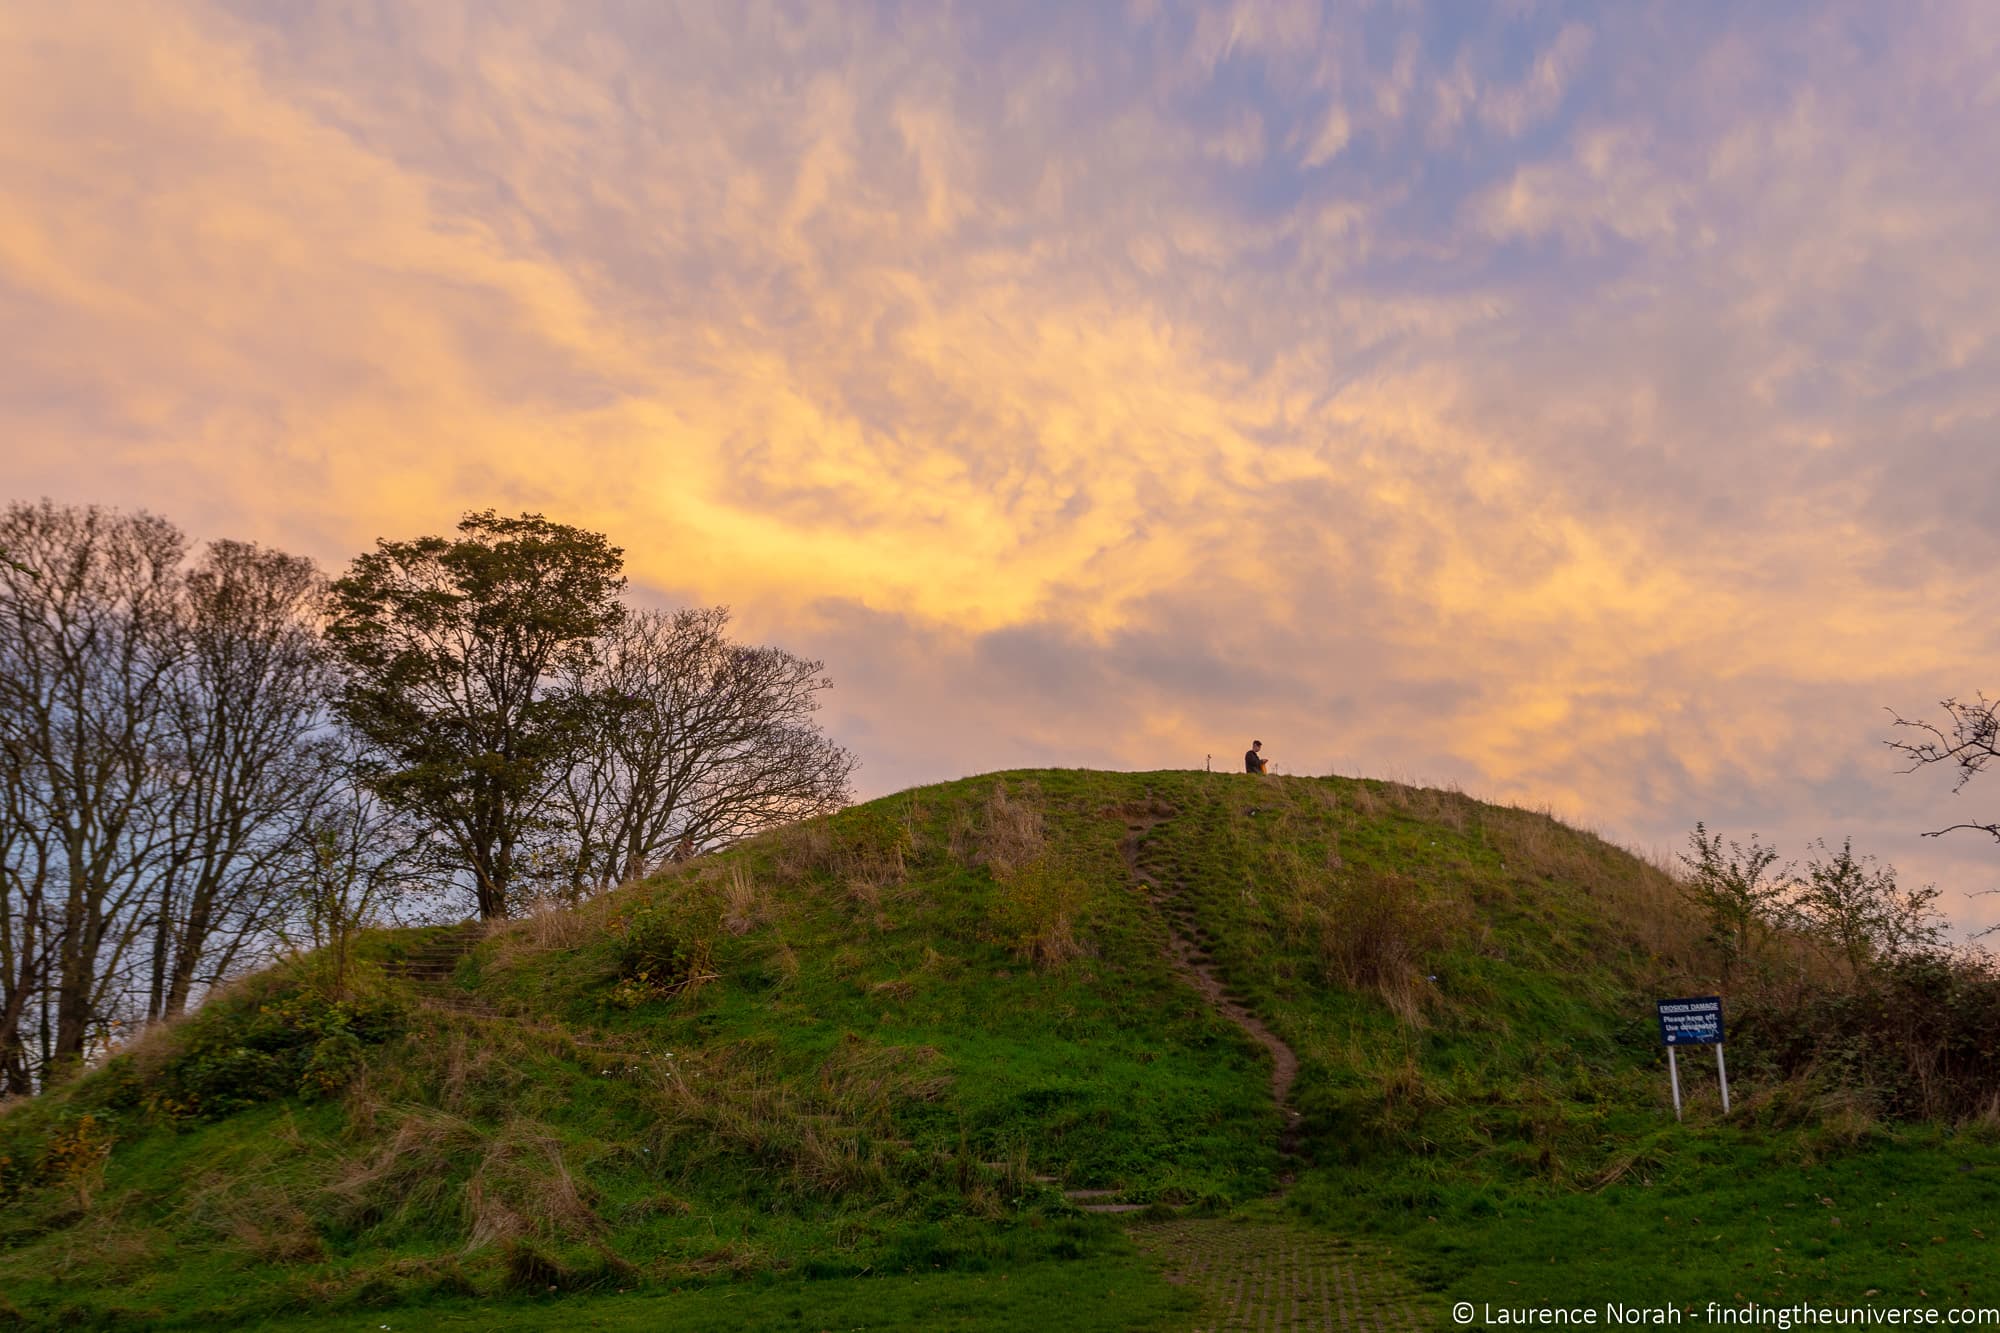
(1593, 406)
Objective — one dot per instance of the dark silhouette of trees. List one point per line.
(205, 761)
(696, 741)
(1969, 741)
(247, 743)
(89, 644)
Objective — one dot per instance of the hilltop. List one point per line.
(900, 1064)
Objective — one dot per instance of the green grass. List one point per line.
(1110, 1294)
(922, 1004)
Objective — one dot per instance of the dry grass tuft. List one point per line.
(411, 1173)
(802, 849)
(827, 1136)
(104, 1243)
(1365, 801)
(1040, 901)
(1010, 835)
(1445, 807)
(1376, 933)
(742, 908)
(523, 1187)
(548, 925)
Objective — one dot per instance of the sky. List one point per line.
(1591, 406)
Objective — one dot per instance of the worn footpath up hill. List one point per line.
(1157, 1050)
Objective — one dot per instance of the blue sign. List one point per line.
(1692, 1022)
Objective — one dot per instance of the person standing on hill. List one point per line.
(1254, 762)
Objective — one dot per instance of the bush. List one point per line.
(667, 946)
(241, 1051)
(336, 1058)
(1376, 932)
(1922, 1041)
(1041, 900)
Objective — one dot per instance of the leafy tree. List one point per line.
(457, 653)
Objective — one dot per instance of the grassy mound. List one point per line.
(854, 1065)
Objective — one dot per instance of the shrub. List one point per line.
(667, 946)
(1375, 933)
(335, 1060)
(1921, 1041)
(242, 1050)
(1040, 901)
(1735, 892)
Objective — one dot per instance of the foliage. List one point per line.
(1735, 891)
(1855, 905)
(453, 649)
(666, 947)
(242, 1051)
(1919, 1042)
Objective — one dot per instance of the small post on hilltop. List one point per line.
(1208, 763)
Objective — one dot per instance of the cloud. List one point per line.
(1590, 409)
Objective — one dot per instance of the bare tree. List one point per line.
(698, 741)
(1971, 743)
(88, 648)
(30, 931)
(249, 751)
(360, 856)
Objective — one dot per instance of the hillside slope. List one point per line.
(906, 1040)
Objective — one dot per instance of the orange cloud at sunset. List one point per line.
(1590, 407)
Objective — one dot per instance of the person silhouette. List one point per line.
(1254, 762)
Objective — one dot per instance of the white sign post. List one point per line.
(1696, 1021)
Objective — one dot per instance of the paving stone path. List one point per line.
(1267, 1275)
(1254, 1274)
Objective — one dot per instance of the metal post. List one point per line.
(1722, 1070)
(1674, 1073)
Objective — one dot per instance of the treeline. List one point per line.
(1849, 993)
(210, 756)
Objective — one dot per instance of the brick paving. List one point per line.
(1269, 1276)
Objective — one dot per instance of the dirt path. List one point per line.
(1253, 1274)
(1187, 949)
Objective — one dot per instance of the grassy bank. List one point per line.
(849, 1069)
